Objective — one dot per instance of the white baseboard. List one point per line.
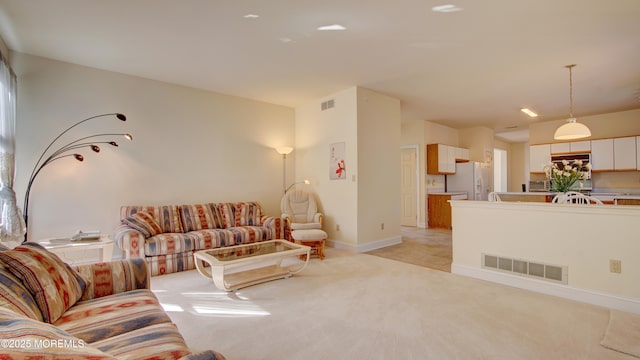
(563, 291)
(365, 247)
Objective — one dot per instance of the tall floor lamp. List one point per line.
(284, 151)
(64, 151)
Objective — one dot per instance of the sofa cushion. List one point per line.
(249, 234)
(158, 342)
(169, 243)
(38, 340)
(143, 222)
(248, 214)
(200, 216)
(53, 284)
(167, 216)
(112, 315)
(14, 296)
(227, 214)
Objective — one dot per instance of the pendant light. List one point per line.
(572, 129)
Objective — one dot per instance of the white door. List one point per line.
(409, 216)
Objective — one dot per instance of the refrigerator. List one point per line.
(472, 177)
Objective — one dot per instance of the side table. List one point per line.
(80, 252)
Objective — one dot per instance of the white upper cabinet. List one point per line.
(602, 155)
(441, 159)
(539, 157)
(624, 154)
(560, 148)
(462, 154)
(580, 146)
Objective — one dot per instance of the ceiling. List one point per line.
(473, 67)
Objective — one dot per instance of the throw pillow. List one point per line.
(14, 296)
(53, 284)
(143, 222)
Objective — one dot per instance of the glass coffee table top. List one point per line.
(234, 267)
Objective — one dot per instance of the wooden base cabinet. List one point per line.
(439, 209)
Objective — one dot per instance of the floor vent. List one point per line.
(327, 105)
(555, 273)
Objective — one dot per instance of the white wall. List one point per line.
(379, 118)
(315, 131)
(583, 238)
(369, 124)
(189, 146)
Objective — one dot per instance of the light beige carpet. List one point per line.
(623, 333)
(358, 306)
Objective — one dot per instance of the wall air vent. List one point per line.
(555, 273)
(326, 105)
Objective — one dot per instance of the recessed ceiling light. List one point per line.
(251, 16)
(529, 112)
(333, 27)
(446, 8)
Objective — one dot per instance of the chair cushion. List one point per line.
(305, 226)
(143, 222)
(313, 234)
(53, 284)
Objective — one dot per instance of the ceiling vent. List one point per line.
(326, 105)
(555, 273)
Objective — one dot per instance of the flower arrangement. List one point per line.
(564, 176)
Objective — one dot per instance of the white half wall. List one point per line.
(582, 238)
(190, 146)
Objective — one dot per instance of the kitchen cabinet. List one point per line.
(439, 208)
(580, 146)
(462, 154)
(441, 159)
(560, 148)
(602, 155)
(624, 154)
(539, 157)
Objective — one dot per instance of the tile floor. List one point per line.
(424, 247)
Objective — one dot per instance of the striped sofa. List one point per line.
(49, 310)
(167, 236)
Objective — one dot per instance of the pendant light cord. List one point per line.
(570, 90)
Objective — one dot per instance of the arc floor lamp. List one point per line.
(68, 150)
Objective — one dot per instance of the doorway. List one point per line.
(409, 179)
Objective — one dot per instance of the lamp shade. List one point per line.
(572, 130)
(284, 150)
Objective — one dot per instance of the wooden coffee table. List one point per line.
(234, 267)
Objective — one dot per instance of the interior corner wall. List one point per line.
(189, 146)
(379, 127)
(315, 131)
(4, 50)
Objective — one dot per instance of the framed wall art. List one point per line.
(337, 167)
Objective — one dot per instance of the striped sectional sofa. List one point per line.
(167, 236)
(49, 310)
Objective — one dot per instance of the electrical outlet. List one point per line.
(337, 227)
(381, 226)
(615, 266)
